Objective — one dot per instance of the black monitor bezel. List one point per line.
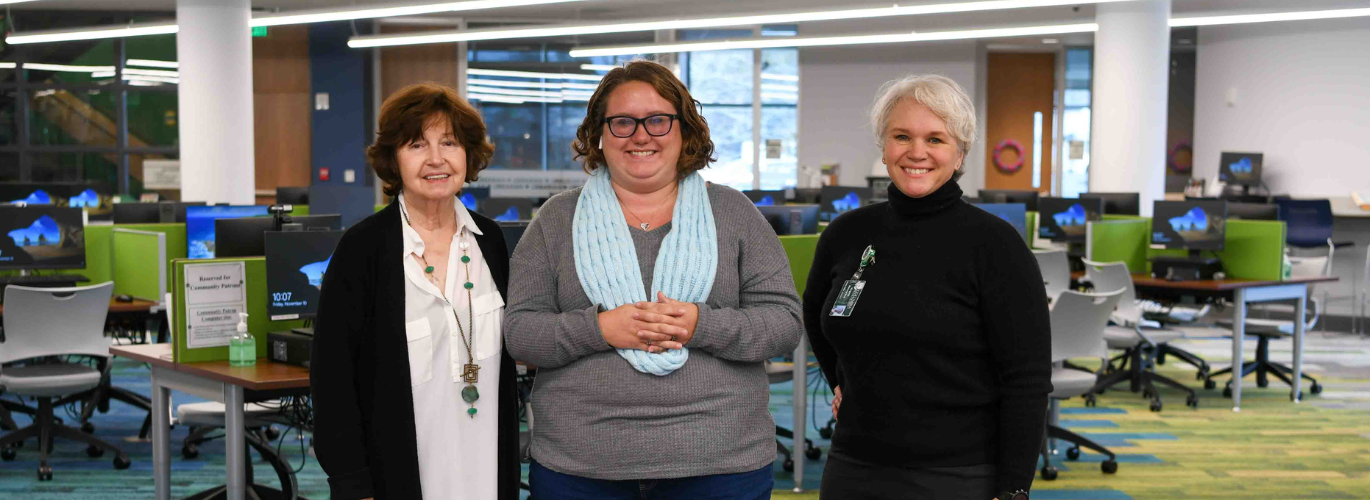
(1043, 217)
(270, 310)
(1218, 205)
(1225, 175)
(36, 266)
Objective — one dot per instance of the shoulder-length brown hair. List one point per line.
(697, 150)
(403, 118)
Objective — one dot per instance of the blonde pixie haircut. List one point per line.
(942, 95)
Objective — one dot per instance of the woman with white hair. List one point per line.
(929, 319)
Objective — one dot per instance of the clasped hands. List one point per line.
(650, 326)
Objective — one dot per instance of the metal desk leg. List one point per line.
(1297, 385)
(1238, 336)
(234, 444)
(801, 385)
(161, 438)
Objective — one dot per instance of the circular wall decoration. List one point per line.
(1017, 148)
(1175, 165)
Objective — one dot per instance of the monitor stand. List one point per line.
(1193, 266)
(306, 330)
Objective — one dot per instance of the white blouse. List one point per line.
(457, 452)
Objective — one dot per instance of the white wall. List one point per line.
(838, 84)
(1301, 98)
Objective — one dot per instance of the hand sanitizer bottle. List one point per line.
(242, 348)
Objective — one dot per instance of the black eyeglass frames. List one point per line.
(625, 126)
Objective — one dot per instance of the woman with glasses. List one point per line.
(649, 300)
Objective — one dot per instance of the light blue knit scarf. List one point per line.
(606, 259)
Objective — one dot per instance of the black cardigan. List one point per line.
(359, 374)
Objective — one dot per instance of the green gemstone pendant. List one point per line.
(470, 395)
(471, 412)
(469, 285)
(428, 269)
(465, 260)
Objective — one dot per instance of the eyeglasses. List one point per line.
(626, 126)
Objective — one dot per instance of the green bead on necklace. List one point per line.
(428, 269)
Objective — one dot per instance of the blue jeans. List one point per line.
(547, 484)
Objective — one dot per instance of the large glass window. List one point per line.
(1075, 122)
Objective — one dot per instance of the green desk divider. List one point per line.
(175, 240)
(300, 210)
(1120, 217)
(379, 207)
(258, 323)
(138, 262)
(1031, 237)
(1252, 249)
(800, 250)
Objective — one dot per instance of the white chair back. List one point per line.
(1055, 267)
(55, 321)
(1115, 276)
(1077, 324)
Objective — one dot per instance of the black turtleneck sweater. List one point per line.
(946, 358)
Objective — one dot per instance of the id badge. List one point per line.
(846, 299)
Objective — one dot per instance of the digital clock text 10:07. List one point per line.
(281, 297)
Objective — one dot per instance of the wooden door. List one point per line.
(1017, 87)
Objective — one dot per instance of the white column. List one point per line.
(214, 48)
(1131, 81)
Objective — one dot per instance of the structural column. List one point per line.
(1131, 75)
(214, 48)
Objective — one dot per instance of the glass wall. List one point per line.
(1075, 122)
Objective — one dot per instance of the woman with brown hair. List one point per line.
(413, 393)
(649, 301)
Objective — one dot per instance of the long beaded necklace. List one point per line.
(470, 372)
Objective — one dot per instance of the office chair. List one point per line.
(1140, 346)
(42, 324)
(778, 373)
(1309, 226)
(1077, 329)
(1055, 266)
(204, 418)
(1266, 329)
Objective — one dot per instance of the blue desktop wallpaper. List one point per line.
(1195, 220)
(43, 231)
(469, 200)
(845, 203)
(88, 198)
(39, 197)
(766, 201)
(1074, 216)
(200, 226)
(510, 215)
(1242, 166)
(316, 271)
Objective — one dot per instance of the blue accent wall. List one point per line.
(341, 133)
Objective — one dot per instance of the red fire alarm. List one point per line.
(323, 173)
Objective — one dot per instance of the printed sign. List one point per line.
(161, 174)
(215, 294)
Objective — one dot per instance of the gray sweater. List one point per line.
(593, 414)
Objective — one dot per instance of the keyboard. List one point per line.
(42, 280)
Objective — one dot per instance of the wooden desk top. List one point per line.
(138, 305)
(264, 376)
(1143, 280)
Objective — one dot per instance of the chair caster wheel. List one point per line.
(93, 451)
(1155, 406)
(88, 428)
(8, 454)
(1262, 383)
(190, 451)
(1227, 392)
(1192, 401)
(1210, 385)
(1200, 375)
(1109, 466)
(1049, 473)
(45, 473)
(813, 453)
(1090, 401)
(788, 465)
(1160, 360)
(1316, 389)
(122, 462)
(1073, 453)
(1291, 396)
(272, 433)
(825, 433)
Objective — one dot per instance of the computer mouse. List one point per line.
(123, 298)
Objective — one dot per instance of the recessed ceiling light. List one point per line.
(1050, 40)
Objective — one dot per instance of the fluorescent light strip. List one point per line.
(495, 98)
(149, 63)
(769, 43)
(531, 74)
(598, 67)
(134, 78)
(713, 22)
(1271, 17)
(67, 68)
(152, 72)
(275, 19)
(492, 90)
(530, 85)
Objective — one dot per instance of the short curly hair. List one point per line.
(696, 152)
(407, 112)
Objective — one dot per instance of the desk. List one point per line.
(1243, 292)
(116, 307)
(216, 381)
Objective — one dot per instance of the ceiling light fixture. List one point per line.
(451, 36)
(533, 74)
(527, 93)
(1271, 17)
(770, 43)
(91, 33)
(530, 85)
(149, 63)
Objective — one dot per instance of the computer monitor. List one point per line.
(970, 199)
(243, 237)
(472, 196)
(791, 219)
(1242, 169)
(1118, 203)
(1027, 198)
(806, 195)
(834, 200)
(295, 265)
(175, 211)
(1013, 213)
(507, 209)
(765, 198)
(1189, 225)
(42, 237)
(200, 225)
(1253, 211)
(513, 232)
(1065, 219)
(292, 196)
(137, 213)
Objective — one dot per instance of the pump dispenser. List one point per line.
(242, 348)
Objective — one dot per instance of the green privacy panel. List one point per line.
(1120, 241)
(379, 207)
(1121, 217)
(1031, 236)
(259, 324)
(1252, 249)
(300, 210)
(800, 250)
(175, 240)
(136, 269)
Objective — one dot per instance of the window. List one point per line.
(1075, 122)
